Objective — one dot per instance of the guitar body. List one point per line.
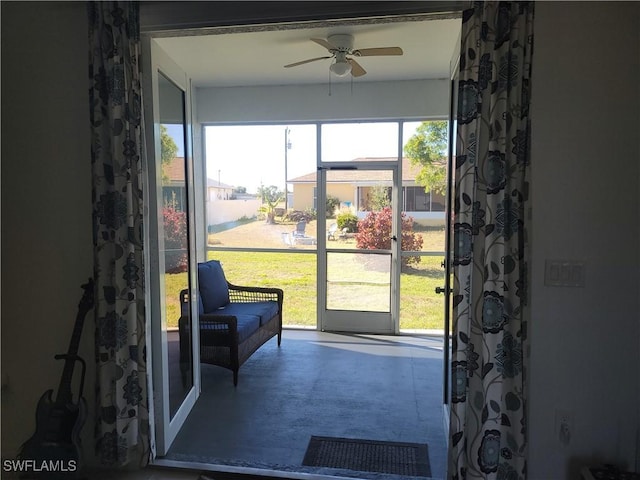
(56, 440)
(57, 435)
(54, 449)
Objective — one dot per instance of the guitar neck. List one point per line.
(64, 395)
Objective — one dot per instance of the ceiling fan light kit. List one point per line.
(341, 67)
(341, 45)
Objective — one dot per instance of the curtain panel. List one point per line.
(488, 400)
(122, 424)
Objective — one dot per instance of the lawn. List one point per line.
(295, 273)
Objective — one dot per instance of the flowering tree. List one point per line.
(175, 239)
(374, 232)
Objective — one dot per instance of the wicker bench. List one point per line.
(234, 320)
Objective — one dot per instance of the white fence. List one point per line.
(221, 211)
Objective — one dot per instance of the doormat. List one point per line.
(398, 458)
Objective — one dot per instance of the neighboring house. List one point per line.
(218, 191)
(222, 205)
(354, 187)
(173, 184)
(174, 190)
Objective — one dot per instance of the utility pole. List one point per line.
(287, 147)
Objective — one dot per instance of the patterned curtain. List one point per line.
(488, 401)
(122, 427)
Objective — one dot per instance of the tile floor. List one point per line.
(344, 385)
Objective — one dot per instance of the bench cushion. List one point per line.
(212, 283)
(264, 310)
(247, 326)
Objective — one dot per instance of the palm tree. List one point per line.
(271, 197)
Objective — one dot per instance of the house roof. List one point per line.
(174, 170)
(409, 173)
(216, 184)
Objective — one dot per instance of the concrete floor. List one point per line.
(342, 385)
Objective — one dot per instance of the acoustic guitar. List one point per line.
(54, 449)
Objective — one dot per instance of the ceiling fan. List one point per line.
(341, 48)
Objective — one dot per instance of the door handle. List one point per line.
(440, 290)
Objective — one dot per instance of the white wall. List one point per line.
(221, 211)
(585, 178)
(418, 99)
(46, 205)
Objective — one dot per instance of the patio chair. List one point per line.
(331, 233)
(287, 239)
(300, 228)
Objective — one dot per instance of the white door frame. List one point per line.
(165, 427)
(351, 320)
(454, 70)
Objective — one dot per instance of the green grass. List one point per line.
(420, 306)
(174, 282)
(295, 273)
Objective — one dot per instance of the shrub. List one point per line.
(374, 232)
(332, 204)
(298, 215)
(175, 238)
(349, 220)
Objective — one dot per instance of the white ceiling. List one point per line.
(258, 57)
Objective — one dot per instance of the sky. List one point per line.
(250, 156)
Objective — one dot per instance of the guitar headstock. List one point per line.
(87, 300)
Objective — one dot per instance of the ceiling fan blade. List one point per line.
(371, 52)
(305, 61)
(356, 68)
(322, 42)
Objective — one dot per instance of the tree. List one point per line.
(271, 196)
(378, 198)
(428, 148)
(168, 151)
(332, 204)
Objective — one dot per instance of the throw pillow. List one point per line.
(213, 285)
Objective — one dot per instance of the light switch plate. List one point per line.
(564, 273)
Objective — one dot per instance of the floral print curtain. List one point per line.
(489, 341)
(122, 425)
